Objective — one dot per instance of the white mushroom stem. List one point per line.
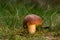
(32, 29)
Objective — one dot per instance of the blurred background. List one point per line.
(12, 13)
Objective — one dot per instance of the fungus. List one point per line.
(31, 21)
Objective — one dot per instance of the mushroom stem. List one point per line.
(31, 29)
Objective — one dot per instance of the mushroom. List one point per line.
(30, 22)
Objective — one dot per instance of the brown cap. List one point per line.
(33, 19)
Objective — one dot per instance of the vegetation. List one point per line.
(12, 13)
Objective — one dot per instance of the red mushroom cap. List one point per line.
(33, 19)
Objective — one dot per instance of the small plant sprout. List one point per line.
(31, 21)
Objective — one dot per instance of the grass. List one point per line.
(11, 22)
